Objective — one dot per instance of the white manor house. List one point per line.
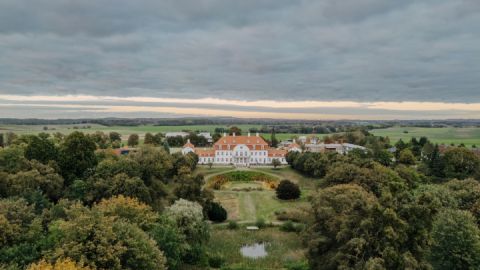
(240, 151)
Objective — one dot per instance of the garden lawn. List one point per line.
(283, 247)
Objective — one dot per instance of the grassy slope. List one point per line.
(447, 135)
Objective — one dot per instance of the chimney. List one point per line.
(224, 134)
(294, 140)
(188, 140)
(248, 134)
(257, 134)
(233, 134)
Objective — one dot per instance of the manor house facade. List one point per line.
(239, 151)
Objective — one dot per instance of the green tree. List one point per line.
(149, 139)
(10, 138)
(41, 149)
(12, 159)
(100, 138)
(456, 241)
(114, 136)
(406, 157)
(153, 163)
(276, 163)
(2, 141)
(287, 190)
(77, 155)
(273, 139)
(103, 241)
(133, 140)
(235, 129)
(39, 177)
(461, 163)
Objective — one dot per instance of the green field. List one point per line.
(125, 131)
(468, 135)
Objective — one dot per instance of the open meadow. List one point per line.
(447, 135)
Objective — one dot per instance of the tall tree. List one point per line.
(133, 140)
(41, 149)
(456, 241)
(461, 163)
(273, 138)
(77, 155)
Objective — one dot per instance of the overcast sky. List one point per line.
(315, 59)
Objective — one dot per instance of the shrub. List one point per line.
(216, 182)
(297, 265)
(287, 190)
(232, 225)
(288, 227)
(216, 260)
(261, 223)
(216, 212)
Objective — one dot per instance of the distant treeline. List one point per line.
(281, 125)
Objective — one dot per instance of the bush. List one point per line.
(287, 190)
(288, 227)
(216, 260)
(261, 223)
(232, 225)
(216, 212)
(297, 265)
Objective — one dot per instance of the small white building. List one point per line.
(175, 134)
(206, 135)
(341, 148)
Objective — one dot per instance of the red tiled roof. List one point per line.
(277, 152)
(252, 142)
(189, 144)
(205, 152)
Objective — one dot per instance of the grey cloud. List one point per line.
(360, 50)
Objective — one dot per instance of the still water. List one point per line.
(254, 251)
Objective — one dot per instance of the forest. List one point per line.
(68, 202)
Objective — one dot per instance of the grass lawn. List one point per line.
(248, 206)
(282, 247)
(447, 135)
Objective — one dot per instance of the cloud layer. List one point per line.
(360, 51)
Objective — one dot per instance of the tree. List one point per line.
(41, 149)
(133, 140)
(340, 231)
(235, 129)
(216, 212)
(10, 138)
(61, 264)
(120, 184)
(276, 163)
(114, 136)
(103, 241)
(101, 139)
(170, 240)
(287, 190)
(12, 159)
(40, 178)
(153, 163)
(456, 241)
(2, 142)
(406, 157)
(149, 139)
(461, 163)
(77, 155)
(273, 139)
(188, 217)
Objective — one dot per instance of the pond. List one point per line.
(254, 251)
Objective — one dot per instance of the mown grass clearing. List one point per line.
(282, 247)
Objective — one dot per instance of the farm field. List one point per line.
(469, 135)
(125, 131)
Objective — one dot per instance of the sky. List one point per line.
(295, 59)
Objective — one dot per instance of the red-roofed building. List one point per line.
(238, 150)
